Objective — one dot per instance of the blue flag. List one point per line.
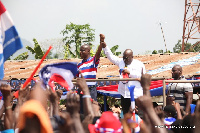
(9, 39)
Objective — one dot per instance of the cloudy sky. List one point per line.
(127, 23)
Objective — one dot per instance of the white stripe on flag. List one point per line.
(66, 74)
(7, 21)
(10, 41)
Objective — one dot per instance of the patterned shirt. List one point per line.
(178, 90)
(88, 69)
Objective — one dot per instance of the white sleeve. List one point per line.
(114, 59)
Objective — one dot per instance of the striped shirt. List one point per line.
(88, 69)
(178, 90)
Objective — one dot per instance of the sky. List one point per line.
(131, 24)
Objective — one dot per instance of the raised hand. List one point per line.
(73, 107)
(159, 111)
(102, 37)
(102, 43)
(8, 119)
(145, 83)
(24, 93)
(82, 85)
(144, 102)
(5, 89)
(73, 103)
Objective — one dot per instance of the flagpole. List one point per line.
(33, 73)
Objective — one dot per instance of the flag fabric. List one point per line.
(123, 75)
(168, 121)
(131, 89)
(61, 73)
(9, 39)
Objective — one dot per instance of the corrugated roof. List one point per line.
(23, 69)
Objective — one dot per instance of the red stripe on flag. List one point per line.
(60, 80)
(2, 8)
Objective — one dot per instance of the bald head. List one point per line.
(128, 56)
(85, 51)
(178, 67)
(176, 72)
(128, 51)
(86, 46)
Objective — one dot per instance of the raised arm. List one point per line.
(189, 97)
(8, 120)
(86, 96)
(98, 52)
(114, 59)
(145, 103)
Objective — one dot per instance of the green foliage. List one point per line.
(75, 35)
(197, 46)
(160, 51)
(36, 50)
(154, 52)
(187, 47)
(22, 56)
(111, 101)
(49, 56)
(168, 51)
(114, 49)
(55, 56)
(92, 53)
(58, 47)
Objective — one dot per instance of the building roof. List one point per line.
(23, 68)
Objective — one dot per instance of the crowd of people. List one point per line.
(38, 108)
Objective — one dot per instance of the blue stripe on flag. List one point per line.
(1, 66)
(12, 42)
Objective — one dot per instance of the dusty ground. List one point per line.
(23, 69)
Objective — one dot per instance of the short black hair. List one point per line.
(170, 109)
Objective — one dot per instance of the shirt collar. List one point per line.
(86, 59)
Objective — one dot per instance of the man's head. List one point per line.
(176, 71)
(170, 111)
(128, 56)
(85, 51)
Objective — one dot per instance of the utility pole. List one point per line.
(191, 22)
(163, 36)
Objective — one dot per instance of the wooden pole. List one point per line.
(164, 95)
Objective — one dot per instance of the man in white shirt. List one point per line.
(133, 68)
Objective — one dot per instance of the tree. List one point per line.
(57, 44)
(197, 46)
(160, 51)
(154, 52)
(113, 50)
(22, 56)
(187, 47)
(36, 50)
(74, 36)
